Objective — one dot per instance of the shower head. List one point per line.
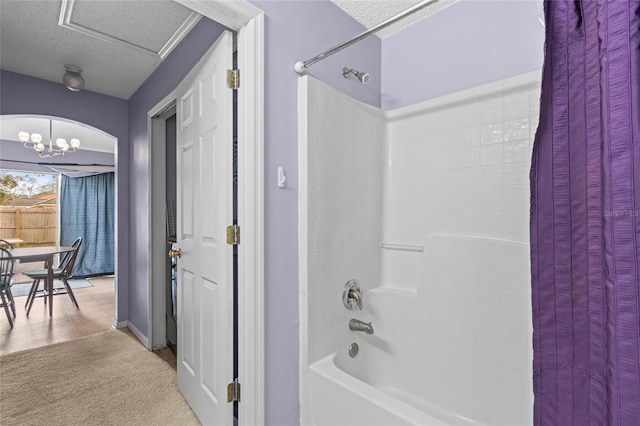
(362, 76)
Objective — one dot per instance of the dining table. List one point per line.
(42, 254)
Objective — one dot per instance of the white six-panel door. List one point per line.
(205, 270)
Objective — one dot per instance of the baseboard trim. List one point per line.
(139, 335)
(119, 324)
(134, 330)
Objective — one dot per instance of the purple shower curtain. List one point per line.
(585, 217)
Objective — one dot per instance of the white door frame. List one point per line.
(248, 21)
(158, 260)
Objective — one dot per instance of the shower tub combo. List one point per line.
(436, 236)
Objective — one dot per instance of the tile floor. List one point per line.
(95, 315)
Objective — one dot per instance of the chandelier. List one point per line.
(61, 147)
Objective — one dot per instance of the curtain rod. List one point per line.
(303, 65)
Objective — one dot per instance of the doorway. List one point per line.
(248, 21)
(38, 224)
(163, 192)
(164, 218)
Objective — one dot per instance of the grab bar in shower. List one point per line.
(402, 247)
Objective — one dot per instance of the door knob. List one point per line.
(175, 253)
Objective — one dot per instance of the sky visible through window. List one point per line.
(26, 185)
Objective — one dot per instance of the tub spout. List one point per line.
(357, 325)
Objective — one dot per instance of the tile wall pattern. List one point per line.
(457, 182)
(341, 209)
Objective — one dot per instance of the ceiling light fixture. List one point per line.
(34, 140)
(72, 78)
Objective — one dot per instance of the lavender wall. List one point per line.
(160, 83)
(32, 96)
(296, 30)
(470, 43)
(20, 94)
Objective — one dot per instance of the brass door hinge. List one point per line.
(233, 391)
(233, 235)
(233, 79)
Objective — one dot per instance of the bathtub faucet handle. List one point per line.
(357, 298)
(352, 295)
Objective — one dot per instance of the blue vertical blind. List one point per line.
(87, 210)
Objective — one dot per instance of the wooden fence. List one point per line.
(36, 226)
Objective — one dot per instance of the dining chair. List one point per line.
(63, 272)
(6, 244)
(7, 269)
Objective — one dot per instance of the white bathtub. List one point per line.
(341, 399)
(412, 377)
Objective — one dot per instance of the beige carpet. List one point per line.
(103, 379)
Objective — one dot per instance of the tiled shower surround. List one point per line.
(430, 201)
(457, 182)
(342, 226)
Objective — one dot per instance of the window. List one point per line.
(28, 208)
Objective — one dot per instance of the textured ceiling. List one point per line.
(373, 12)
(145, 24)
(116, 43)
